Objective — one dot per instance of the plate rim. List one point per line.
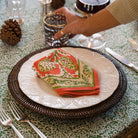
(84, 112)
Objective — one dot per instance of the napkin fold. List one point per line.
(67, 75)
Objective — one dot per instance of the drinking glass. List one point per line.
(52, 24)
(88, 8)
(15, 9)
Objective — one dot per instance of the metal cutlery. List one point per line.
(22, 117)
(121, 59)
(134, 44)
(6, 121)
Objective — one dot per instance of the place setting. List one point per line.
(65, 98)
(61, 80)
(65, 81)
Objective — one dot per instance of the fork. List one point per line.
(6, 121)
(22, 117)
(133, 44)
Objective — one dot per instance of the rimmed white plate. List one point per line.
(38, 90)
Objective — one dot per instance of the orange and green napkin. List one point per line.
(67, 75)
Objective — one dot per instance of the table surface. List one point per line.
(108, 124)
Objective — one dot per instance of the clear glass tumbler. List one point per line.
(16, 9)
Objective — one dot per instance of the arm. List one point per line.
(125, 11)
(118, 12)
(98, 22)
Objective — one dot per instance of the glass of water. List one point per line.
(15, 9)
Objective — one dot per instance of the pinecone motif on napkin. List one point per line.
(11, 32)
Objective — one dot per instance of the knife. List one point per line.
(121, 59)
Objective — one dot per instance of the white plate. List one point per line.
(38, 90)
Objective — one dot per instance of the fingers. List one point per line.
(61, 33)
(71, 28)
(76, 27)
(58, 35)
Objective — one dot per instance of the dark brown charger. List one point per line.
(87, 112)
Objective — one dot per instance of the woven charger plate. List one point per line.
(91, 111)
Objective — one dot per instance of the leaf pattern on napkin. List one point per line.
(66, 74)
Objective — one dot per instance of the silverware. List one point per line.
(22, 117)
(6, 121)
(121, 59)
(133, 44)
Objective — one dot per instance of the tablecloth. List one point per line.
(107, 124)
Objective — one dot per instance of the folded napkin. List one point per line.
(67, 75)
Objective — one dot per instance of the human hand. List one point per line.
(100, 21)
(72, 20)
(76, 27)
